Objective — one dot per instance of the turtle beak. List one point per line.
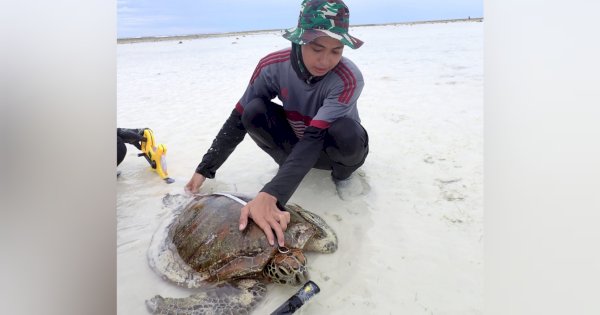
(301, 277)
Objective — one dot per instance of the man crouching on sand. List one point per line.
(318, 125)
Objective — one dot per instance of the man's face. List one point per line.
(322, 54)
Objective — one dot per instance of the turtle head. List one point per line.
(287, 268)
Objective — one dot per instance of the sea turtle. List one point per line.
(199, 245)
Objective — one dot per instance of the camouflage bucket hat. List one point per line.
(323, 18)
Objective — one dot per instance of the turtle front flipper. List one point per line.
(325, 240)
(238, 297)
(173, 201)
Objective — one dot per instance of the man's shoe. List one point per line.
(351, 187)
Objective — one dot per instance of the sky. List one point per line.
(139, 18)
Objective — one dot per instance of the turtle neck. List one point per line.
(300, 68)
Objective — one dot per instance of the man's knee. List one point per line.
(254, 113)
(346, 138)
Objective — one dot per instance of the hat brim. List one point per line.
(300, 36)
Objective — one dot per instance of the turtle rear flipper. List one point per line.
(238, 297)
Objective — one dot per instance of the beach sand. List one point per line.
(412, 245)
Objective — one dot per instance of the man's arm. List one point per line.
(266, 208)
(302, 158)
(230, 135)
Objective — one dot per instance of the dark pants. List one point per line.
(346, 141)
(121, 150)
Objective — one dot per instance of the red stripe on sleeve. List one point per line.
(239, 108)
(269, 60)
(321, 124)
(349, 83)
(296, 116)
(341, 74)
(344, 96)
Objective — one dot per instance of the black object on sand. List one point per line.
(307, 291)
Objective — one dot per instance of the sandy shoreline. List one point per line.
(412, 245)
(134, 40)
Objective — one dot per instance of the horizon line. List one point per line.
(132, 40)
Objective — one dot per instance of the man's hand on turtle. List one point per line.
(193, 186)
(264, 212)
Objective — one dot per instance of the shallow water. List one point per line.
(412, 245)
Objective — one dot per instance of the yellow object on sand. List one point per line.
(155, 155)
